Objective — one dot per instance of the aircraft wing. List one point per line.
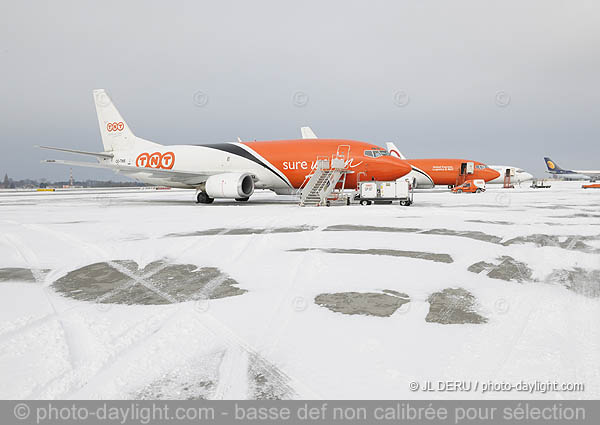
(189, 178)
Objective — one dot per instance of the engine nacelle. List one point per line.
(230, 185)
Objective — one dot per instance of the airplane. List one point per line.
(227, 170)
(428, 173)
(553, 168)
(517, 175)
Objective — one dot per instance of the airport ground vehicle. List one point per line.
(228, 170)
(385, 192)
(540, 184)
(470, 186)
(591, 186)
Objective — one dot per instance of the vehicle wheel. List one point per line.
(450, 186)
(327, 203)
(459, 191)
(404, 203)
(369, 202)
(242, 199)
(478, 191)
(203, 198)
(363, 202)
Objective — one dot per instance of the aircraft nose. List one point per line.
(491, 174)
(393, 168)
(404, 167)
(526, 177)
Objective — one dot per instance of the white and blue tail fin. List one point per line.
(116, 134)
(393, 150)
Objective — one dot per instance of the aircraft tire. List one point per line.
(203, 198)
(242, 199)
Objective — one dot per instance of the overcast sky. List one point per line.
(501, 82)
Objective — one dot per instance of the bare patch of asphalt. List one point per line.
(193, 381)
(439, 258)
(450, 306)
(21, 274)
(507, 269)
(504, 223)
(571, 242)
(267, 382)
(243, 231)
(453, 306)
(581, 281)
(363, 303)
(16, 274)
(578, 280)
(105, 283)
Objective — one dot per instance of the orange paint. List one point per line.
(156, 160)
(296, 158)
(445, 171)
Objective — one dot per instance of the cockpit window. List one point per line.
(481, 166)
(376, 153)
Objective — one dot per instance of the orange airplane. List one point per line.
(229, 170)
(428, 173)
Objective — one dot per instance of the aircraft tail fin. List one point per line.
(551, 165)
(116, 134)
(394, 151)
(307, 133)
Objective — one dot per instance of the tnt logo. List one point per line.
(115, 126)
(156, 160)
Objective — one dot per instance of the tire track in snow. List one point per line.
(279, 376)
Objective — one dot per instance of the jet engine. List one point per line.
(230, 185)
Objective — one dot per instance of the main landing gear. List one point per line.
(203, 198)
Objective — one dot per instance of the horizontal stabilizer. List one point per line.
(96, 154)
(74, 163)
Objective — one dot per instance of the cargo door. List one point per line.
(470, 167)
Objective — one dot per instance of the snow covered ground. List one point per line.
(145, 294)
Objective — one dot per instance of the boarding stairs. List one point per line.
(320, 186)
(507, 179)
